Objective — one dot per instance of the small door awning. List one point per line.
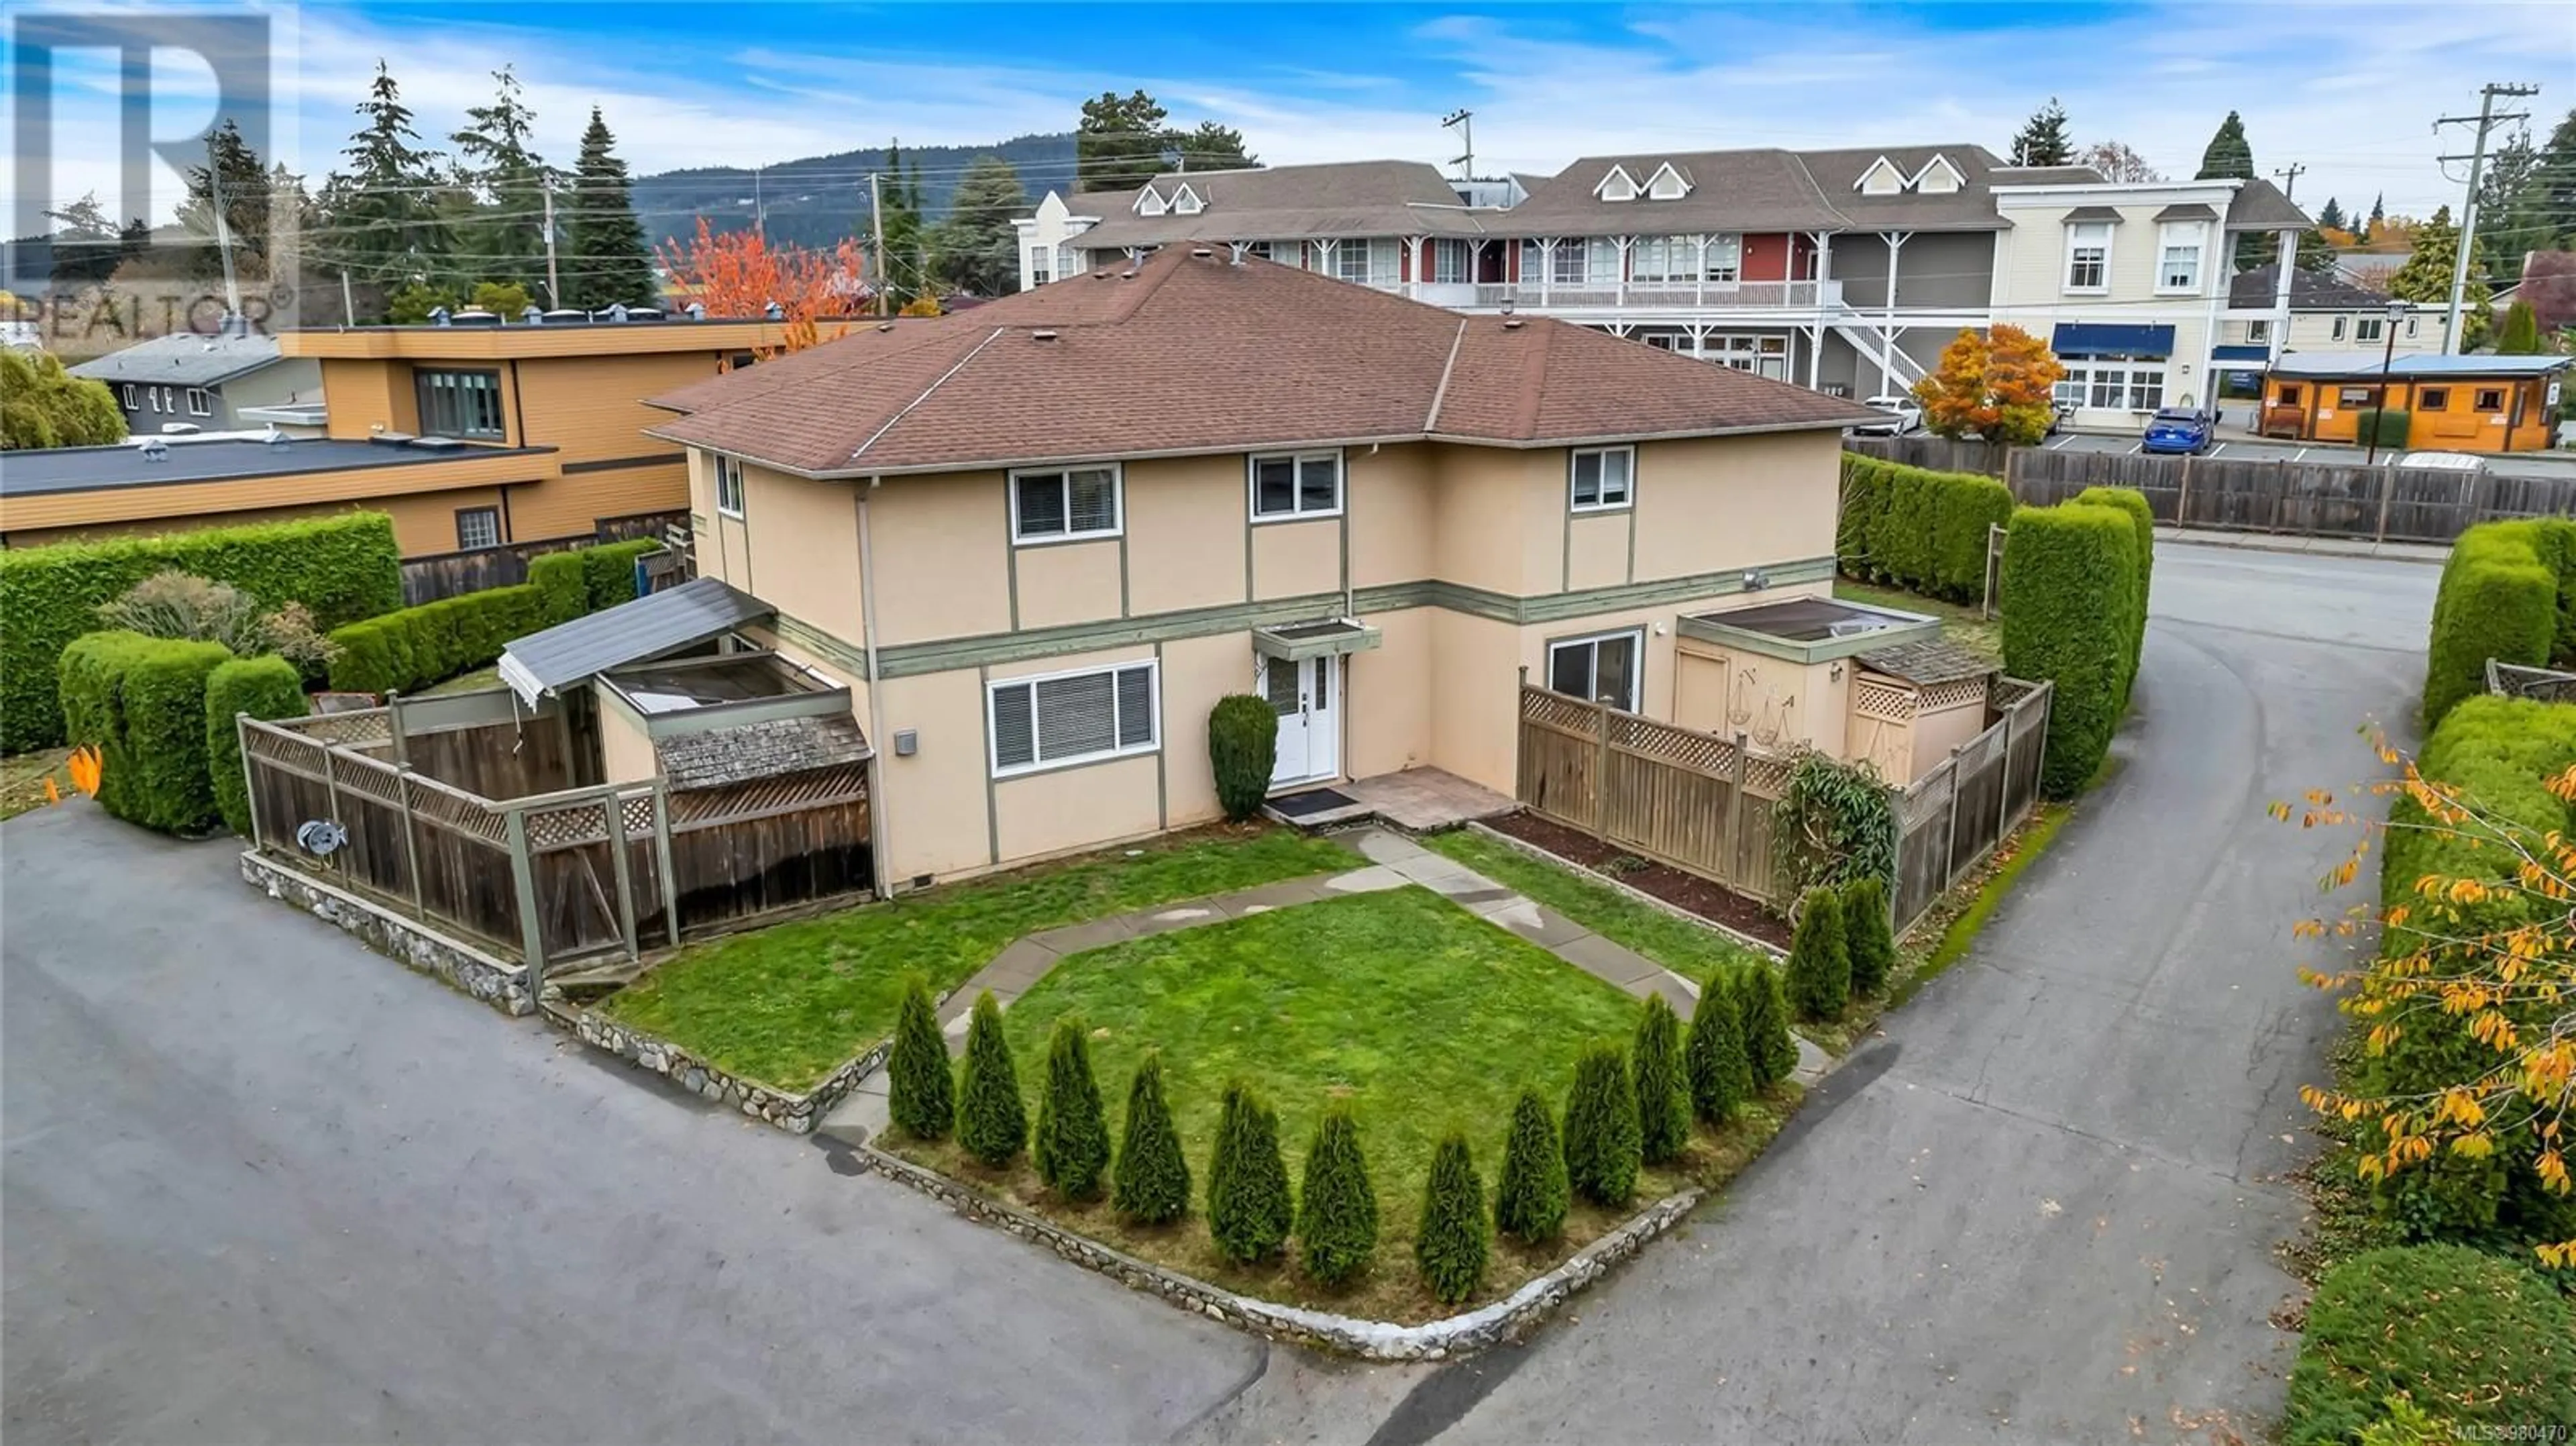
(2111, 339)
(1296, 642)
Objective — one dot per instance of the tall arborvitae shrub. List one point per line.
(1764, 1008)
(2070, 600)
(2508, 592)
(263, 687)
(1072, 1149)
(1819, 961)
(1337, 1209)
(1153, 1177)
(1249, 1211)
(1455, 1238)
(1530, 1199)
(1663, 1095)
(1243, 747)
(920, 1094)
(1719, 1070)
(992, 1121)
(2131, 504)
(1868, 935)
(1602, 1145)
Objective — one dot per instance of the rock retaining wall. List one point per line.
(1373, 1340)
(497, 982)
(793, 1113)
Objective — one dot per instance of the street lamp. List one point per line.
(2387, 358)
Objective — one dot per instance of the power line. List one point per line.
(2486, 120)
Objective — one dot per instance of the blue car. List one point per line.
(2179, 429)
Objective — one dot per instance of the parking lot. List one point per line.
(2245, 449)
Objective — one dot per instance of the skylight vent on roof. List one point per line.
(1042, 334)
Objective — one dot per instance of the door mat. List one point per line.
(1312, 801)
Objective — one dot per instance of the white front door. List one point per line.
(1307, 698)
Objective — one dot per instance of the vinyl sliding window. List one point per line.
(1057, 719)
(1064, 504)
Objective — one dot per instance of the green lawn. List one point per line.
(1960, 624)
(789, 1003)
(1685, 948)
(1424, 1017)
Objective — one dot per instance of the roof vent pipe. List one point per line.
(1042, 335)
(1201, 252)
(695, 311)
(1513, 323)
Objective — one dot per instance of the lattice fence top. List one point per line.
(786, 792)
(636, 813)
(1538, 705)
(2003, 692)
(369, 726)
(2547, 685)
(564, 825)
(1955, 693)
(1984, 750)
(454, 809)
(1766, 774)
(291, 748)
(1926, 799)
(361, 775)
(1890, 701)
(1691, 749)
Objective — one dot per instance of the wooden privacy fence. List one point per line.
(1939, 454)
(454, 574)
(1706, 804)
(552, 877)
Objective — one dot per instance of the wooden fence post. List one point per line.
(2182, 503)
(671, 880)
(1735, 820)
(1950, 830)
(2387, 493)
(2003, 765)
(399, 754)
(523, 878)
(331, 787)
(411, 841)
(250, 776)
(616, 810)
(1601, 772)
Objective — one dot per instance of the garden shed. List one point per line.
(1912, 702)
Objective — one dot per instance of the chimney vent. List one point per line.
(1512, 323)
(1201, 252)
(1042, 334)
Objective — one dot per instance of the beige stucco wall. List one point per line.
(1475, 684)
(1392, 498)
(1185, 518)
(1596, 548)
(1067, 582)
(1292, 559)
(804, 550)
(1495, 521)
(941, 545)
(1071, 808)
(625, 749)
(933, 805)
(1197, 672)
(1720, 503)
(1387, 693)
(1935, 734)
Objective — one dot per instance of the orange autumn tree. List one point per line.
(2466, 1070)
(740, 273)
(1995, 386)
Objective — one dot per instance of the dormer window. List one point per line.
(1939, 178)
(1881, 179)
(1149, 202)
(1186, 202)
(1667, 184)
(1617, 186)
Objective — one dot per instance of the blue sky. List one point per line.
(2347, 90)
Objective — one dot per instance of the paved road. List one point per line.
(261, 1186)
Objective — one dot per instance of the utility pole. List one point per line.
(554, 291)
(759, 208)
(1464, 121)
(876, 219)
(223, 230)
(2485, 120)
(348, 301)
(2290, 180)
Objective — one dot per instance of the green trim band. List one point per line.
(821, 644)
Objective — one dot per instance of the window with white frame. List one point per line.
(2258, 331)
(1565, 268)
(1725, 257)
(1601, 669)
(729, 486)
(1603, 478)
(1068, 260)
(1300, 484)
(477, 528)
(2113, 386)
(199, 403)
(2088, 256)
(1039, 275)
(1451, 262)
(2178, 257)
(1351, 262)
(1063, 504)
(2337, 330)
(130, 404)
(1079, 717)
(2369, 328)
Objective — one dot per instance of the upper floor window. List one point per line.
(1068, 260)
(1604, 478)
(1566, 268)
(2088, 256)
(2369, 328)
(1063, 718)
(2411, 324)
(1063, 504)
(131, 404)
(1039, 271)
(1683, 259)
(2336, 331)
(458, 403)
(1451, 261)
(2258, 331)
(729, 486)
(1303, 484)
(2178, 262)
(1351, 261)
(200, 404)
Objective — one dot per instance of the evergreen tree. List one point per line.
(1248, 1207)
(2426, 277)
(42, 405)
(1118, 143)
(2230, 157)
(1820, 969)
(2042, 140)
(903, 266)
(1765, 1012)
(2521, 333)
(603, 259)
(1455, 1238)
(1602, 1144)
(2378, 215)
(1211, 147)
(380, 216)
(2548, 198)
(1868, 935)
(1663, 1094)
(920, 1095)
(1719, 1070)
(977, 246)
(505, 181)
(1337, 1209)
(992, 1122)
(1153, 1177)
(1072, 1149)
(2503, 226)
(2330, 216)
(1530, 1198)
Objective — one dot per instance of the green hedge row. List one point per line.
(411, 649)
(587, 579)
(2470, 1339)
(1917, 528)
(344, 568)
(2142, 521)
(2508, 592)
(141, 702)
(266, 687)
(2074, 608)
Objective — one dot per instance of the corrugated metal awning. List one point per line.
(649, 627)
(1330, 638)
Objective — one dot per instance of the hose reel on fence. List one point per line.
(321, 837)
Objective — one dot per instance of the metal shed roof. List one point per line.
(649, 627)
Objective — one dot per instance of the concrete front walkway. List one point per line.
(1394, 863)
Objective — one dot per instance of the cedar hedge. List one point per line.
(992, 1123)
(608, 571)
(142, 703)
(1603, 1146)
(1819, 969)
(1663, 1092)
(921, 1096)
(1455, 1238)
(2071, 579)
(1717, 1064)
(1531, 1197)
(1869, 936)
(265, 687)
(2142, 521)
(1248, 1207)
(1072, 1150)
(1917, 528)
(1243, 746)
(1764, 1007)
(2472, 1339)
(1151, 1181)
(2508, 592)
(560, 577)
(417, 647)
(343, 568)
(1337, 1208)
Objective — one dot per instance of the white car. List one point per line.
(1903, 413)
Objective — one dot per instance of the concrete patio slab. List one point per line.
(1074, 938)
(1543, 927)
(1381, 847)
(1618, 964)
(1426, 799)
(1366, 881)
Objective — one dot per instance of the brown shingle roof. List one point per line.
(1775, 190)
(1346, 198)
(1191, 354)
(1927, 661)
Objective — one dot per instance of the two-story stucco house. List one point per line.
(1039, 540)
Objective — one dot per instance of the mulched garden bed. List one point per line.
(1687, 892)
